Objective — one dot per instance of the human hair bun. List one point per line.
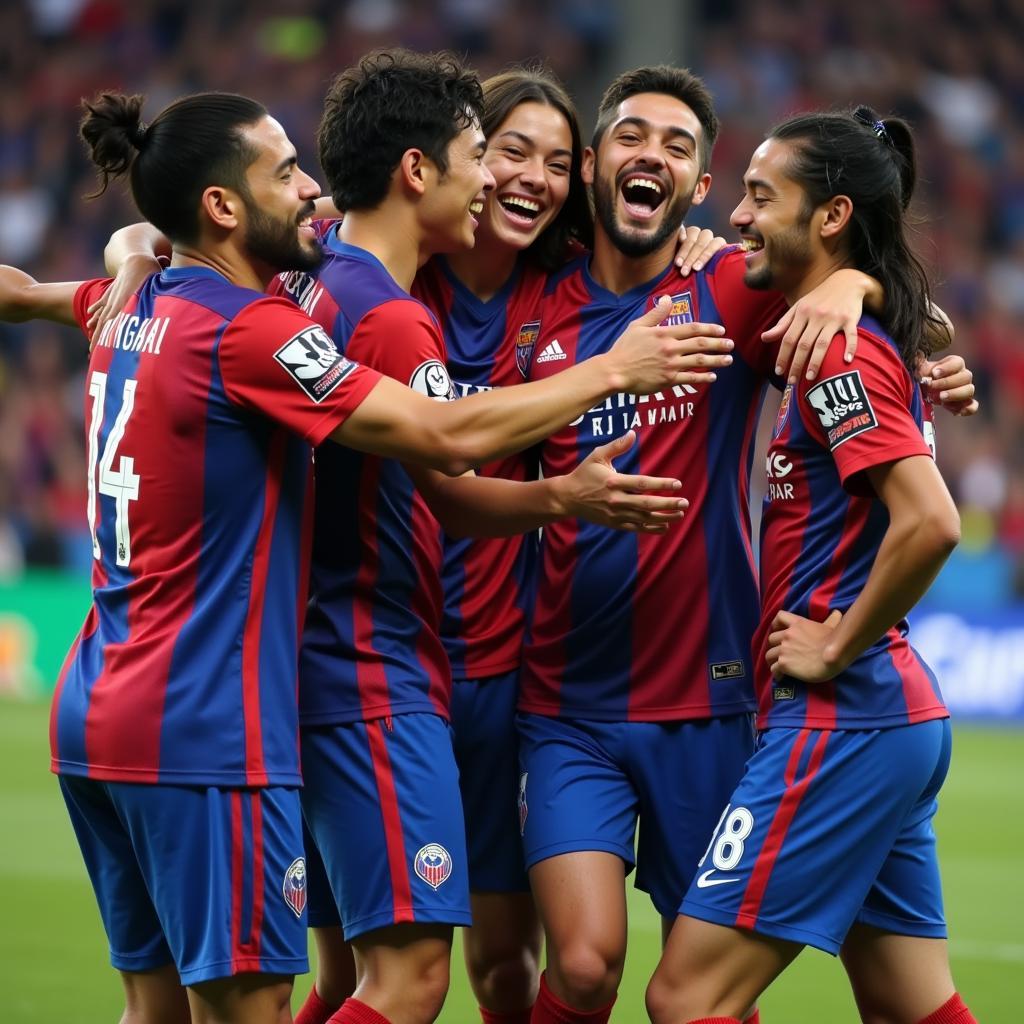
(113, 132)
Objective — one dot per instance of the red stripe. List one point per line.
(749, 441)
(919, 696)
(246, 953)
(237, 878)
(401, 891)
(255, 766)
(370, 675)
(786, 811)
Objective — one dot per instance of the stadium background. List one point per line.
(955, 68)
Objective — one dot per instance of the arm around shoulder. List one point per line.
(23, 298)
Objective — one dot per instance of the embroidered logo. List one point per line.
(553, 351)
(843, 407)
(523, 809)
(527, 338)
(433, 864)
(294, 888)
(313, 362)
(431, 379)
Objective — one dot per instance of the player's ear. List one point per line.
(700, 191)
(836, 214)
(587, 168)
(413, 171)
(221, 206)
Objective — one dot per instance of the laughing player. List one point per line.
(828, 839)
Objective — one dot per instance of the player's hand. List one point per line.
(949, 383)
(808, 327)
(595, 491)
(133, 272)
(796, 647)
(647, 357)
(696, 247)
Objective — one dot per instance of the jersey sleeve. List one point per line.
(88, 292)
(746, 312)
(861, 411)
(276, 361)
(401, 339)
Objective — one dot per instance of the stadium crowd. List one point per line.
(954, 68)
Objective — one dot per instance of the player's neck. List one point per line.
(227, 262)
(816, 274)
(485, 268)
(391, 237)
(618, 273)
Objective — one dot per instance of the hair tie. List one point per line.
(137, 135)
(878, 127)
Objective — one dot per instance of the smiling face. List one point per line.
(530, 156)
(646, 172)
(454, 199)
(774, 221)
(278, 210)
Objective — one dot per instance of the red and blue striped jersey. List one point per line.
(202, 401)
(631, 626)
(371, 646)
(487, 581)
(823, 525)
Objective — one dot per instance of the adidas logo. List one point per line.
(552, 353)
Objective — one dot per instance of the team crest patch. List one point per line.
(523, 809)
(527, 338)
(727, 670)
(783, 693)
(433, 864)
(314, 362)
(783, 415)
(843, 407)
(294, 888)
(431, 379)
(681, 311)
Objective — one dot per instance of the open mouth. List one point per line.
(751, 245)
(476, 207)
(520, 209)
(642, 194)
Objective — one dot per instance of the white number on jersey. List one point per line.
(121, 484)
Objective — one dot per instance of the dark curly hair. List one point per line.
(391, 101)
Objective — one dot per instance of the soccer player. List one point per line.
(636, 687)
(174, 728)
(401, 147)
(828, 839)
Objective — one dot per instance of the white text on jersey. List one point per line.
(134, 333)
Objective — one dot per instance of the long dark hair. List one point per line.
(193, 143)
(872, 161)
(536, 84)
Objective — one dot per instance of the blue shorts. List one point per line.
(829, 828)
(211, 880)
(381, 800)
(487, 753)
(584, 784)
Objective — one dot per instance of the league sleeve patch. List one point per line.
(431, 379)
(843, 407)
(313, 361)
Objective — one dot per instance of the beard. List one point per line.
(276, 242)
(638, 241)
(784, 256)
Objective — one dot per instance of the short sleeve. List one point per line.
(88, 292)
(276, 361)
(401, 339)
(861, 411)
(746, 312)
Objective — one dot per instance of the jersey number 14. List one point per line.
(121, 484)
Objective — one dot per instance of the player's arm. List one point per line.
(23, 298)
(924, 527)
(476, 506)
(949, 383)
(453, 437)
(696, 247)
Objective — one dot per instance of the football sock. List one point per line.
(754, 1017)
(953, 1011)
(716, 1020)
(354, 1012)
(497, 1017)
(314, 1010)
(549, 1009)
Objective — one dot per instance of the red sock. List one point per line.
(753, 1018)
(952, 1011)
(549, 1009)
(354, 1012)
(496, 1017)
(314, 1010)
(717, 1020)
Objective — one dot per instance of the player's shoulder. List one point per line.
(567, 276)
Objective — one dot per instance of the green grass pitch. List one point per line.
(53, 961)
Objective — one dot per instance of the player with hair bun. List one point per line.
(828, 841)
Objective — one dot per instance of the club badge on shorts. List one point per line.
(433, 864)
(523, 809)
(294, 888)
